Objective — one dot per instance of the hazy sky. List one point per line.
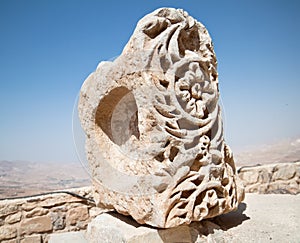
(49, 47)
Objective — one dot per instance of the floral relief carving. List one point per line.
(154, 134)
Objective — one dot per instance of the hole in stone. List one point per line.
(215, 76)
(186, 194)
(167, 143)
(173, 152)
(183, 205)
(183, 216)
(199, 198)
(232, 202)
(214, 210)
(159, 47)
(206, 113)
(221, 193)
(117, 115)
(203, 211)
(196, 166)
(164, 83)
(208, 134)
(160, 157)
(188, 40)
(198, 181)
(225, 181)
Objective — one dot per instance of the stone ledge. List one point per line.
(73, 214)
(67, 237)
(281, 178)
(32, 219)
(254, 221)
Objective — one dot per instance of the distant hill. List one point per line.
(286, 150)
(21, 178)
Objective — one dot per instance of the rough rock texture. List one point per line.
(32, 219)
(154, 129)
(19, 217)
(254, 221)
(273, 178)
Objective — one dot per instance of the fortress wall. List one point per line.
(33, 219)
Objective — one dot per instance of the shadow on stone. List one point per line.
(194, 232)
(232, 219)
(126, 219)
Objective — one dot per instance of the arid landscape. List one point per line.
(22, 178)
(286, 150)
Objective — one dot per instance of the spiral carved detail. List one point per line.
(154, 135)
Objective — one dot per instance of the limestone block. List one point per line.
(95, 211)
(264, 174)
(58, 200)
(13, 218)
(68, 237)
(272, 178)
(7, 207)
(7, 232)
(283, 187)
(284, 172)
(248, 176)
(10, 241)
(58, 220)
(28, 206)
(117, 228)
(37, 211)
(77, 214)
(36, 225)
(32, 239)
(154, 134)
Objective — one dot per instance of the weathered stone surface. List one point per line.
(27, 217)
(28, 206)
(37, 211)
(95, 211)
(32, 239)
(272, 178)
(58, 220)
(254, 221)
(7, 208)
(57, 201)
(284, 172)
(10, 241)
(74, 237)
(7, 232)
(117, 228)
(2, 221)
(36, 225)
(77, 214)
(154, 128)
(13, 218)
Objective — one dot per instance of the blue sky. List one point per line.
(48, 48)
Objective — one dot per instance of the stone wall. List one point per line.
(32, 219)
(272, 178)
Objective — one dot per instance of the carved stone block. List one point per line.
(154, 136)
